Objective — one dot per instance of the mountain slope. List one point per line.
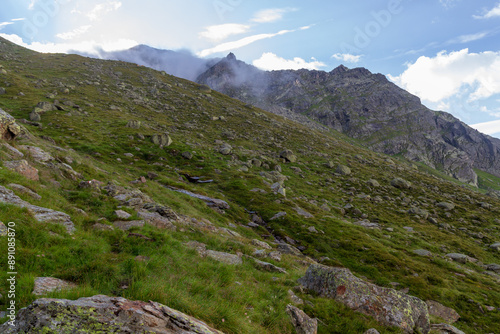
(181, 64)
(366, 107)
(186, 197)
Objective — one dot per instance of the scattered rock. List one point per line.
(13, 152)
(102, 227)
(187, 155)
(9, 129)
(224, 257)
(23, 190)
(269, 267)
(261, 244)
(40, 214)
(288, 156)
(296, 300)
(493, 267)
(122, 214)
(447, 314)
(445, 329)
(157, 220)
(127, 225)
(133, 124)
(278, 215)
(422, 252)
(45, 285)
(343, 170)
(388, 306)
(367, 224)
(289, 249)
(424, 214)
(446, 206)
(461, 258)
(371, 331)
(212, 202)
(400, 183)
(225, 149)
(495, 246)
(3, 230)
(24, 168)
(303, 213)
(302, 322)
(107, 314)
(37, 154)
(373, 183)
(161, 140)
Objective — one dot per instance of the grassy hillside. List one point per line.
(97, 100)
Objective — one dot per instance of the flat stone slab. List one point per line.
(127, 225)
(224, 257)
(40, 214)
(45, 285)
(212, 202)
(103, 314)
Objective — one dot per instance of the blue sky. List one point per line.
(447, 52)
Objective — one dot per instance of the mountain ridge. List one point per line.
(367, 107)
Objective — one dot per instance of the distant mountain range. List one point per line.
(356, 102)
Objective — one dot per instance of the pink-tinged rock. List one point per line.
(23, 167)
(388, 306)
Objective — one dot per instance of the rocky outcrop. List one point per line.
(24, 168)
(447, 314)
(41, 214)
(9, 129)
(302, 322)
(103, 314)
(388, 306)
(364, 106)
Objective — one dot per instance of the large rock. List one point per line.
(445, 329)
(400, 183)
(447, 314)
(302, 322)
(161, 140)
(343, 170)
(23, 167)
(103, 314)
(388, 306)
(40, 214)
(9, 129)
(288, 156)
(37, 154)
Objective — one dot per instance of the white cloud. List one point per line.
(470, 37)
(230, 46)
(74, 33)
(271, 15)
(269, 62)
(451, 74)
(349, 58)
(3, 24)
(102, 9)
(448, 3)
(19, 19)
(495, 12)
(223, 31)
(91, 47)
(489, 128)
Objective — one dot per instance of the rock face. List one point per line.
(9, 129)
(103, 314)
(40, 214)
(388, 306)
(364, 106)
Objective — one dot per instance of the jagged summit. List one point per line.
(231, 56)
(367, 107)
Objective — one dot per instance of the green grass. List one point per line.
(234, 299)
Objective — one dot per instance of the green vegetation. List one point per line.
(93, 138)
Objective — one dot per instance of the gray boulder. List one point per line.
(161, 140)
(388, 306)
(103, 314)
(288, 156)
(447, 314)
(343, 170)
(9, 129)
(400, 183)
(302, 322)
